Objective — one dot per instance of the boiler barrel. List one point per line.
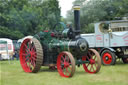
(77, 46)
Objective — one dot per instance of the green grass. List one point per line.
(12, 74)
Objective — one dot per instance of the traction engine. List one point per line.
(62, 49)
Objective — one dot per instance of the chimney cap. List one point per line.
(76, 7)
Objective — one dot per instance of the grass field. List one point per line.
(12, 74)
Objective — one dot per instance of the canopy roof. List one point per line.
(3, 42)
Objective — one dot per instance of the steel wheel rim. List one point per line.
(28, 55)
(94, 62)
(65, 64)
(107, 58)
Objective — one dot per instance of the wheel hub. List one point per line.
(107, 58)
(92, 61)
(66, 64)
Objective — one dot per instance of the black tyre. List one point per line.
(108, 57)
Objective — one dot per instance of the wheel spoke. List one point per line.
(70, 68)
(27, 59)
(33, 58)
(62, 61)
(27, 48)
(88, 65)
(92, 67)
(34, 53)
(33, 63)
(63, 58)
(24, 54)
(29, 45)
(90, 55)
(29, 65)
(87, 58)
(95, 67)
(67, 58)
(67, 71)
(33, 48)
(70, 63)
(95, 57)
(95, 64)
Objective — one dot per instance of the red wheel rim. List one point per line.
(64, 65)
(92, 65)
(107, 58)
(28, 55)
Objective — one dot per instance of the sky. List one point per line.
(65, 6)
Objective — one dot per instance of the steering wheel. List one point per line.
(59, 27)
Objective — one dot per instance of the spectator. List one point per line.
(17, 55)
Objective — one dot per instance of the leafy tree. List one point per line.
(27, 17)
(5, 32)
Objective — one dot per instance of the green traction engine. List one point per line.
(62, 49)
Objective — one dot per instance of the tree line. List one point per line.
(19, 18)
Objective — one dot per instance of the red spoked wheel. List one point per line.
(125, 60)
(108, 57)
(31, 55)
(93, 64)
(65, 64)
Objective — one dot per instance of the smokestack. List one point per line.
(77, 19)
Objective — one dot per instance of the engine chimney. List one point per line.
(77, 19)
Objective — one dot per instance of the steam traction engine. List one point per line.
(63, 49)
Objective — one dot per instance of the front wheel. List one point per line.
(93, 61)
(66, 64)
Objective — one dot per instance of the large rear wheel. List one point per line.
(93, 60)
(65, 64)
(31, 55)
